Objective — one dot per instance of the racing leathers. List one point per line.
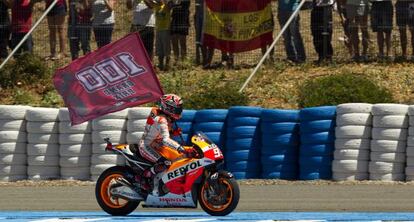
(155, 138)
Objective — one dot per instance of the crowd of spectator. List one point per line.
(164, 25)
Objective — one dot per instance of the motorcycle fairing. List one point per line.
(171, 200)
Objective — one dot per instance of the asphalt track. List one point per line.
(292, 202)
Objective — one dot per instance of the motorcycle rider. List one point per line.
(156, 144)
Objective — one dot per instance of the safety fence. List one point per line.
(124, 16)
(354, 141)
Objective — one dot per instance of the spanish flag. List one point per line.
(237, 25)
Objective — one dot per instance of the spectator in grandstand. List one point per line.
(103, 21)
(162, 29)
(198, 25)
(180, 22)
(404, 11)
(292, 38)
(55, 21)
(79, 27)
(321, 26)
(143, 22)
(357, 16)
(381, 22)
(4, 29)
(21, 23)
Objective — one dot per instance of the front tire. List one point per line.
(225, 199)
(113, 205)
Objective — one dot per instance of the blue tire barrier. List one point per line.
(209, 126)
(211, 115)
(242, 121)
(280, 115)
(305, 161)
(288, 139)
(279, 150)
(318, 138)
(240, 111)
(278, 167)
(269, 128)
(242, 144)
(317, 126)
(315, 175)
(241, 155)
(317, 149)
(188, 115)
(280, 159)
(288, 175)
(240, 166)
(242, 132)
(245, 175)
(317, 113)
(186, 127)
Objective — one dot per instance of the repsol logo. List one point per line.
(182, 170)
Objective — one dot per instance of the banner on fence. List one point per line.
(238, 25)
(112, 78)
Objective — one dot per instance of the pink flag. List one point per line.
(112, 78)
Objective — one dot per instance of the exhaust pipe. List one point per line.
(126, 193)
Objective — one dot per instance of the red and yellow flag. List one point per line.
(237, 25)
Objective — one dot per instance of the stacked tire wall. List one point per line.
(409, 170)
(43, 143)
(75, 148)
(317, 137)
(13, 140)
(242, 153)
(39, 143)
(113, 126)
(352, 144)
(389, 140)
(280, 144)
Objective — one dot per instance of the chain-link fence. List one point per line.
(123, 17)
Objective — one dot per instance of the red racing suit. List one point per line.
(156, 136)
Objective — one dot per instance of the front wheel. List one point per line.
(110, 204)
(221, 199)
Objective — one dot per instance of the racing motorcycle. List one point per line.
(120, 189)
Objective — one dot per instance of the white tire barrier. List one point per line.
(390, 121)
(386, 168)
(354, 119)
(66, 127)
(13, 136)
(109, 124)
(353, 132)
(388, 146)
(115, 136)
(354, 108)
(134, 138)
(74, 161)
(43, 138)
(388, 157)
(40, 114)
(350, 176)
(389, 109)
(361, 144)
(70, 173)
(42, 127)
(6, 170)
(351, 154)
(42, 149)
(12, 112)
(12, 148)
(389, 134)
(78, 138)
(43, 172)
(136, 125)
(12, 125)
(350, 166)
(139, 113)
(13, 159)
(51, 161)
(387, 177)
(75, 150)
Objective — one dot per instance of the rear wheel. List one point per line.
(221, 199)
(110, 204)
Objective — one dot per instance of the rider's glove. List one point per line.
(191, 153)
(177, 132)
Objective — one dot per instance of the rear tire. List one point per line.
(109, 204)
(232, 197)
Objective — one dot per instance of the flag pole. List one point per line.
(29, 33)
(272, 45)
